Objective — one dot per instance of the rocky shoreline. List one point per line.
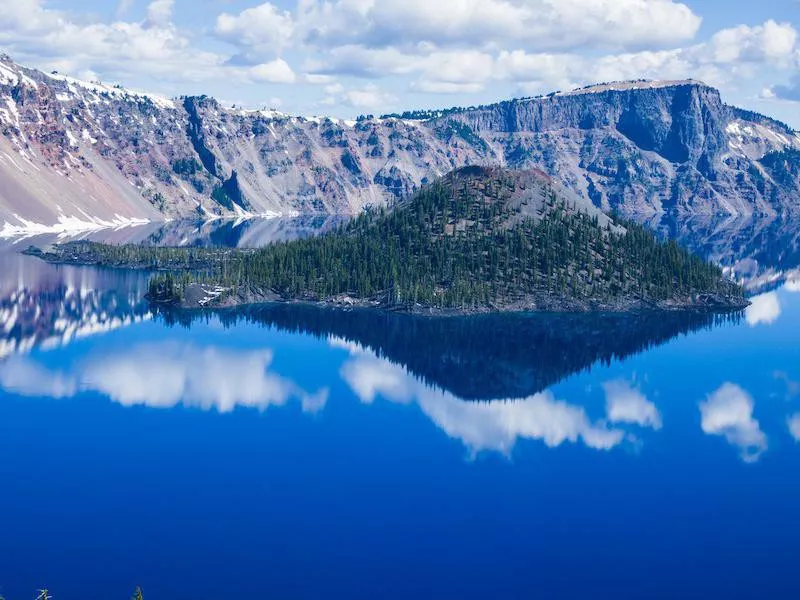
(199, 296)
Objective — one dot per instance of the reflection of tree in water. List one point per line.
(479, 357)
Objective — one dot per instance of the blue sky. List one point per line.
(349, 57)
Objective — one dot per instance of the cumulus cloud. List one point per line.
(260, 32)
(154, 47)
(626, 404)
(164, 375)
(481, 426)
(367, 97)
(730, 54)
(159, 13)
(30, 29)
(444, 47)
(728, 412)
(764, 309)
(276, 71)
(532, 24)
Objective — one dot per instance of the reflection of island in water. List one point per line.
(479, 357)
(41, 304)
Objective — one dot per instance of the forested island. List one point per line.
(477, 240)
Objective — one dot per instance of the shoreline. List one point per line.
(198, 297)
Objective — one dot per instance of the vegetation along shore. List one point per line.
(477, 240)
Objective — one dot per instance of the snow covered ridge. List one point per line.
(66, 225)
(12, 74)
(98, 89)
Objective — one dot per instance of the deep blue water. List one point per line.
(294, 453)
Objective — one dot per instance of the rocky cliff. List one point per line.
(644, 147)
(79, 155)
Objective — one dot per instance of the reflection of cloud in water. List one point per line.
(495, 425)
(794, 426)
(23, 376)
(729, 412)
(765, 309)
(626, 404)
(792, 285)
(165, 375)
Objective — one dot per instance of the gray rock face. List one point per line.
(79, 155)
(649, 147)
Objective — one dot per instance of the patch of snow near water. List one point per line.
(211, 294)
(67, 225)
(242, 215)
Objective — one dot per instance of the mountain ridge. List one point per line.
(76, 154)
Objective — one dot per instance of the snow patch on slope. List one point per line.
(754, 140)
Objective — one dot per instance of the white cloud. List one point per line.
(317, 79)
(159, 13)
(728, 412)
(481, 426)
(532, 24)
(731, 55)
(717, 62)
(276, 71)
(444, 47)
(164, 375)
(770, 42)
(764, 309)
(260, 32)
(360, 61)
(369, 96)
(155, 46)
(446, 87)
(626, 404)
(334, 88)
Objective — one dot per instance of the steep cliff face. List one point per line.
(79, 155)
(648, 147)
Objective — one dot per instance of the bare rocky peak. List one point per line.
(76, 155)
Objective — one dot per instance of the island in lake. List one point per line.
(479, 239)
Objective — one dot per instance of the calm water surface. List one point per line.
(289, 452)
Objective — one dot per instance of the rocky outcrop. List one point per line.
(75, 154)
